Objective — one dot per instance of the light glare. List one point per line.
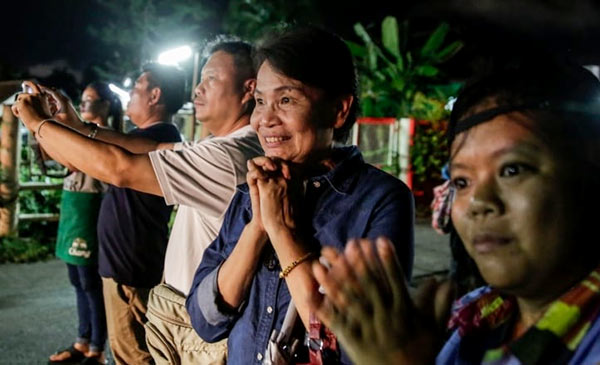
(175, 55)
(122, 94)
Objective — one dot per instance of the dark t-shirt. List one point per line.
(132, 227)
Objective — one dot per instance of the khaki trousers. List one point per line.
(170, 336)
(125, 318)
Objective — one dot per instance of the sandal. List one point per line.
(74, 356)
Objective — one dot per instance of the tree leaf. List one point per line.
(379, 75)
(389, 35)
(400, 63)
(356, 49)
(435, 40)
(372, 56)
(427, 70)
(398, 84)
(371, 46)
(449, 51)
(362, 33)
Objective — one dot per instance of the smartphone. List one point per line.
(26, 88)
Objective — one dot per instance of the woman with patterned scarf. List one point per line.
(525, 166)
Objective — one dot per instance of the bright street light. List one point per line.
(122, 94)
(175, 55)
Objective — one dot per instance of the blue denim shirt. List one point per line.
(351, 201)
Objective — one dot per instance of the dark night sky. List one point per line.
(41, 32)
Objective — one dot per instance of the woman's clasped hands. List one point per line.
(270, 183)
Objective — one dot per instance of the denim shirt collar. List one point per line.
(347, 159)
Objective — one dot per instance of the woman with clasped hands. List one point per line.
(303, 194)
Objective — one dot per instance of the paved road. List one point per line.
(37, 311)
(432, 252)
(37, 303)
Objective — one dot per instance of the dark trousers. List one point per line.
(90, 305)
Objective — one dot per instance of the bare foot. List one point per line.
(65, 355)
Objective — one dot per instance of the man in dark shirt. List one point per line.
(132, 226)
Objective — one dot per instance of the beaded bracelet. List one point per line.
(293, 265)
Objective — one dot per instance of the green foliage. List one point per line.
(36, 240)
(429, 151)
(16, 249)
(38, 201)
(400, 80)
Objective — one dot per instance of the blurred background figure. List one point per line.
(101, 106)
(463, 271)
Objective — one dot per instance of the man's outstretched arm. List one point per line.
(132, 143)
(68, 116)
(104, 161)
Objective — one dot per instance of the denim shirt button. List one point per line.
(317, 184)
(269, 309)
(259, 356)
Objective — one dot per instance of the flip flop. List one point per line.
(75, 356)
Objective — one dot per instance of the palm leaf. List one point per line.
(435, 40)
(449, 51)
(356, 49)
(389, 35)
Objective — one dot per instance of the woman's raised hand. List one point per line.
(275, 202)
(368, 306)
(263, 174)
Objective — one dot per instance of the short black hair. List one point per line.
(171, 82)
(241, 52)
(315, 57)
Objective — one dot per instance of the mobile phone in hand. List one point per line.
(26, 88)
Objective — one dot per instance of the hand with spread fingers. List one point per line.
(368, 307)
(65, 111)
